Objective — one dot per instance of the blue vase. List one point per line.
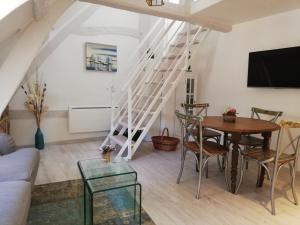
(39, 139)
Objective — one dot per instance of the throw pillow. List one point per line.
(7, 144)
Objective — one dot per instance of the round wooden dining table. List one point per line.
(242, 126)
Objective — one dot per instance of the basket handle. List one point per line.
(163, 133)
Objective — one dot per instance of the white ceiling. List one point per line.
(238, 11)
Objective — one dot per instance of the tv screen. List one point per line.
(274, 68)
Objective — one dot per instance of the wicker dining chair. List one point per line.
(200, 109)
(257, 113)
(279, 158)
(248, 141)
(196, 144)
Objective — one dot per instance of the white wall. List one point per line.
(224, 75)
(223, 66)
(69, 83)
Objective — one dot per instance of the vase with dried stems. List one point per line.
(35, 103)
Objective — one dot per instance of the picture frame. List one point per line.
(101, 57)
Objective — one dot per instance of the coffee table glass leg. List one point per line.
(140, 206)
(84, 203)
(92, 209)
(134, 204)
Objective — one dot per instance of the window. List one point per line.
(190, 90)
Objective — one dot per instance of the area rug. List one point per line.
(61, 203)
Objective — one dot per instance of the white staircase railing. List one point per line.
(160, 63)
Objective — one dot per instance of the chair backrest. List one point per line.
(258, 113)
(200, 108)
(188, 124)
(289, 131)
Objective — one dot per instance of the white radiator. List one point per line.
(89, 119)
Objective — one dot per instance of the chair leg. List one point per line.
(242, 168)
(226, 171)
(197, 162)
(247, 165)
(247, 162)
(220, 163)
(206, 169)
(182, 165)
(199, 176)
(272, 191)
(258, 175)
(293, 176)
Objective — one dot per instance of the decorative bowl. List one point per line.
(229, 118)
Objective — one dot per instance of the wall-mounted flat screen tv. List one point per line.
(275, 68)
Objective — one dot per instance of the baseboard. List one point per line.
(72, 141)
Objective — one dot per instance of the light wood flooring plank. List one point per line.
(169, 203)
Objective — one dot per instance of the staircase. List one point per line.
(160, 63)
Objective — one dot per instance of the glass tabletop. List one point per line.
(99, 168)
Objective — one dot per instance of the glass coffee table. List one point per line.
(112, 194)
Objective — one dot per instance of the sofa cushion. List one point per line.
(14, 202)
(19, 165)
(7, 144)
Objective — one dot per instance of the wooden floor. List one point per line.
(171, 204)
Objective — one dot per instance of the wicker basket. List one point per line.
(165, 143)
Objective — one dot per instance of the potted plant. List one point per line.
(229, 115)
(106, 153)
(34, 103)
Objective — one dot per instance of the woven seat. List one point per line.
(250, 141)
(261, 155)
(209, 147)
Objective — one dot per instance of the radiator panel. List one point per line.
(89, 119)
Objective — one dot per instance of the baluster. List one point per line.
(129, 123)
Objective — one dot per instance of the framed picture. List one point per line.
(101, 57)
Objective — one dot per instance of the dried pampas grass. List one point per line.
(35, 94)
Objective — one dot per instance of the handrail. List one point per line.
(157, 48)
(146, 86)
(145, 57)
(144, 62)
(164, 85)
(154, 75)
(153, 117)
(173, 64)
(145, 39)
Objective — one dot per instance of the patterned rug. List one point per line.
(61, 203)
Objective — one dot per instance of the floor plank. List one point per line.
(169, 203)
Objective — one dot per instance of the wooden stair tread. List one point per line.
(181, 44)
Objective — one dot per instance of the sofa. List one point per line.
(18, 170)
